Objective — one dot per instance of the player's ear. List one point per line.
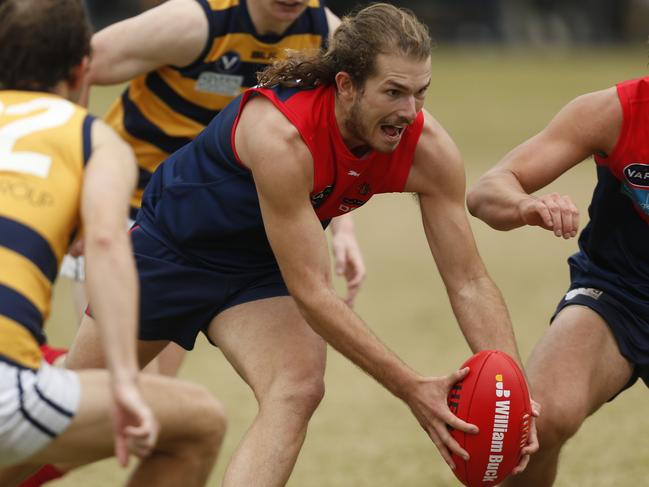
(78, 74)
(345, 86)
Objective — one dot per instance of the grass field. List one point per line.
(361, 436)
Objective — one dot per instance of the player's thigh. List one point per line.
(193, 413)
(89, 436)
(268, 340)
(86, 351)
(577, 366)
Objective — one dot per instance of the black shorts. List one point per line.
(179, 298)
(625, 315)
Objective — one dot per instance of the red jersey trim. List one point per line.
(625, 91)
(281, 107)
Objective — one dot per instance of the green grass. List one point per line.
(489, 100)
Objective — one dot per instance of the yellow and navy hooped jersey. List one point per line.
(44, 144)
(163, 110)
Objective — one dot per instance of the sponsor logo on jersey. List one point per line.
(584, 291)
(364, 188)
(639, 196)
(353, 202)
(266, 56)
(353, 173)
(348, 204)
(22, 191)
(221, 84)
(228, 62)
(318, 199)
(501, 425)
(221, 79)
(637, 174)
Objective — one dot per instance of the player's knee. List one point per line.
(301, 397)
(211, 414)
(559, 421)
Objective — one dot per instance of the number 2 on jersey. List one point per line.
(57, 113)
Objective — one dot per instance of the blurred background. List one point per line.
(528, 22)
(501, 70)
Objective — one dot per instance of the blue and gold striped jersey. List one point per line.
(44, 144)
(163, 110)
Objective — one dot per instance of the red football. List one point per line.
(495, 398)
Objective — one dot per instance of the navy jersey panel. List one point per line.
(204, 204)
(614, 244)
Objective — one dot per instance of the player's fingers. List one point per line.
(525, 459)
(139, 450)
(139, 432)
(536, 408)
(568, 214)
(339, 255)
(544, 214)
(355, 274)
(352, 292)
(555, 212)
(574, 211)
(457, 376)
(460, 425)
(121, 450)
(450, 442)
(532, 441)
(339, 263)
(443, 451)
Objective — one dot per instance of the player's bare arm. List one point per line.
(590, 124)
(282, 168)
(437, 176)
(138, 45)
(112, 285)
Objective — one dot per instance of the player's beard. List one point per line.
(355, 127)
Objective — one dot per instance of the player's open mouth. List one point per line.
(392, 132)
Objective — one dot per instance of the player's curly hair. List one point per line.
(380, 28)
(41, 41)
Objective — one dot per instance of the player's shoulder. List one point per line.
(605, 100)
(104, 137)
(435, 144)
(264, 130)
(594, 118)
(437, 161)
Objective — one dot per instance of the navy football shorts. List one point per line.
(625, 314)
(179, 298)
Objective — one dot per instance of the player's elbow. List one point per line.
(104, 59)
(103, 239)
(310, 294)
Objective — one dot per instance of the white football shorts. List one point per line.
(35, 407)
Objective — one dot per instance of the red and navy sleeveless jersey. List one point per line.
(163, 110)
(203, 202)
(341, 181)
(614, 243)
